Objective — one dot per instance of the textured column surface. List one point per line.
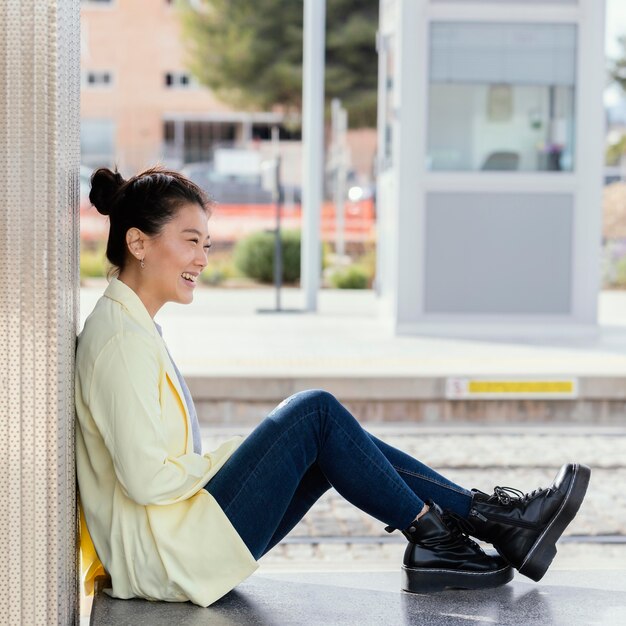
(39, 260)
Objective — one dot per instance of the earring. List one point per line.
(142, 264)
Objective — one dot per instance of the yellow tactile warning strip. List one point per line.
(466, 388)
(526, 386)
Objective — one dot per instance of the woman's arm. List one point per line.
(124, 401)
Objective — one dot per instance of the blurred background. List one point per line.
(165, 81)
(216, 93)
(472, 230)
(214, 90)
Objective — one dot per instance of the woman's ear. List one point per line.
(135, 240)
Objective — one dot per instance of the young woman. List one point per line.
(170, 522)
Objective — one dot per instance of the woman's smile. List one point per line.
(189, 279)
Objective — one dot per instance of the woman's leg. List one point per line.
(296, 496)
(426, 482)
(309, 491)
(311, 442)
(257, 484)
(421, 479)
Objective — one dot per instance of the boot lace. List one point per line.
(506, 495)
(460, 528)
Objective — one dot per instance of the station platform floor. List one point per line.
(222, 333)
(567, 598)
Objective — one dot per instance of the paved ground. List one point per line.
(374, 598)
(221, 333)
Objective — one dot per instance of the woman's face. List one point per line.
(180, 248)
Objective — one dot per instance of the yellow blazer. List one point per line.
(145, 516)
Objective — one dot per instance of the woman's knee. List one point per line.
(319, 399)
(309, 398)
(317, 395)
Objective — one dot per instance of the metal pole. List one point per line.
(338, 167)
(342, 166)
(335, 158)
(277, 196)
(313, 145)
(278, 250)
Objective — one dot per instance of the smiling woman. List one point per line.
(158, 238)
(145, 519)
(168, 522)
(171, 260)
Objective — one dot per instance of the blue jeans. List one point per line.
(307, 444)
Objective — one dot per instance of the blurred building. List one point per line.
(139, 103)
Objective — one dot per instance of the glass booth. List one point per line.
(490, 165)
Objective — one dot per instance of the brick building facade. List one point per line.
(140, 105)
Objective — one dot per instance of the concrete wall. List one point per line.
(235, 401)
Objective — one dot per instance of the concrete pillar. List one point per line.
(39, 260)
(313, 144)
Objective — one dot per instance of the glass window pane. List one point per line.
(97, 141)
(501, 97)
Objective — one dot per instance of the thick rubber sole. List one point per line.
(543, 551)
(422, 580)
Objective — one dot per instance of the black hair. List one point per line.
(147, 201)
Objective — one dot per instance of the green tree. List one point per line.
(249, 52)
(614, 152)
(617, 69)
(617, 74)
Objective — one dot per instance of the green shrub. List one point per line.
(93, 262)
(326, 253)
(352, 277)
(254, 256)
(368, 262)
(614, 264)
(619, 279)
(217, 271)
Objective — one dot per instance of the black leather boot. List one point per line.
(524, 528)
(440, 556)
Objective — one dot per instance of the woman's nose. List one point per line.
(203, 259)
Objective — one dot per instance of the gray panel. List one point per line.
(503, 53)
(498, 253)
(39, 254)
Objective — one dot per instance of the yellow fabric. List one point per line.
(89, 561)
(145, 517)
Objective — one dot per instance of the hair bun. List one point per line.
(105, 187)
